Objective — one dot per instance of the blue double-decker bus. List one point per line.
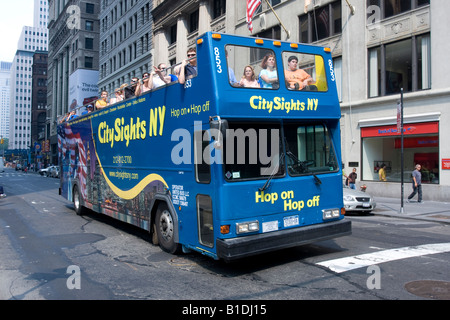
(242, 159)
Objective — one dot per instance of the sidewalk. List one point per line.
(427, 211)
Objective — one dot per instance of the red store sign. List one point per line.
(445, 164)
(408, 129)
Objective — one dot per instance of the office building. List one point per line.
(72, 60)
(5, 68)
(126, 49)
(31, 39)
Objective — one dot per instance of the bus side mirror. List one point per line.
(218, 129)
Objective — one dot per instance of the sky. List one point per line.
(14, 15)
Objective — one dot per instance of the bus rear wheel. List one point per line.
(165, 229)
(79, 209)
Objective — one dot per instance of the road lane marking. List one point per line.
(364, 260)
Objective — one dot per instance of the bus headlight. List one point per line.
(245, 227)
(331, 213)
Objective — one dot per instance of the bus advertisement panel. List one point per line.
(243, 158)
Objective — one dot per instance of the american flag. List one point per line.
(252, 5)
(67, 139)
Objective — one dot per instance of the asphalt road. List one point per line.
(48, 252)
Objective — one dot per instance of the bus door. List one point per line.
(204, 154)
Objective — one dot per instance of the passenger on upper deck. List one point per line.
(188, 68)
(89, 109)
(119, 94)
(298, 79)
(73, 115)
(102, 102)
(231, 76)
(65, 118)
(146, 84)
(269, 76)
(130, 91)
(248, 79)
(161, 71)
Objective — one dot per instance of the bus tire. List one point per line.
(165, 229)
(77, 202)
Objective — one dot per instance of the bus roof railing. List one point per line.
(79, 110)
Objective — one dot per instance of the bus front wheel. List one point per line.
(165, 229)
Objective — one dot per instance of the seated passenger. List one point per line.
(161, 71)
(102, 102)
(73, 115)
(119, 96)
(146, 84)
(269, 76)
(65, 118)
(298, 79)
(231, 76)
(89, 109)
(188, 68)
(248, 79)
(130, 91)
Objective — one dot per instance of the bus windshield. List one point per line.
(309, 149)
(254, 150)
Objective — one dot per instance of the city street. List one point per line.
(48, 252)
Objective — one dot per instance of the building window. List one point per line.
(193, 21)
(390, 8)
(321, 23)
(89, 8)
(219, 8)
(173, 34)
(272, 33)
(403, 64)
(89, 43)
(88, 62)
(89, 25)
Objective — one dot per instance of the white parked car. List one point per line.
(53, 172)
(46, 171)
(358, 201)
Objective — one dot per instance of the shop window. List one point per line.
(382, 145)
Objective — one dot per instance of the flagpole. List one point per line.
(352, 8)
(271, 8)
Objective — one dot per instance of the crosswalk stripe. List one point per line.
(364, 260)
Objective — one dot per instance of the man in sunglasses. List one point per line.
(188, 68)
(130, 91)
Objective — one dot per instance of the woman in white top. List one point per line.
(248, 79)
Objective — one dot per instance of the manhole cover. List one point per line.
(438, 290)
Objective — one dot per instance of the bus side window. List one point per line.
(202, 167)
(251, 67)
(304, 72)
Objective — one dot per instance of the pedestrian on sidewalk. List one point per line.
(416, 184)
(382, 173)
(351, 178)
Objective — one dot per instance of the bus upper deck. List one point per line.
(300, 78)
